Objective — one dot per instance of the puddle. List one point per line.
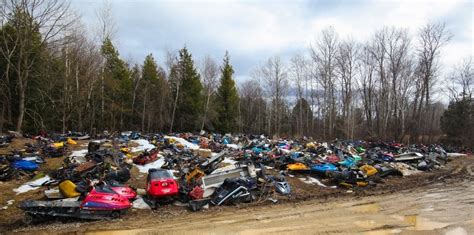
(384, 232)
(418, 212)
(369, 224)
(420, 223)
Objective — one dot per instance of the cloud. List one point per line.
(252, 31)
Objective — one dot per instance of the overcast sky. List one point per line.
(252, 31)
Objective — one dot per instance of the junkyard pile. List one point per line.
(196, 170)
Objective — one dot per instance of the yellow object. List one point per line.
(368, 170)
(58, 145)
(172, 140)
(362, 183)
(345, 185)
(71, 141)
(68, 189)
(297, 167)
(125, 150)
(195, 174)
(310, 145)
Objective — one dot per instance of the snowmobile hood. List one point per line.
(297, 167)
(105, 199)
(321, 168)
(25, 165)
(124, 191)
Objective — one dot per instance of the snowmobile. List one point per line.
(161, 187)
(6, 172)
(232, 191)
(121, 189)
(100, 203)
(322, 168)
(146, 157)
(25, 165)
(160, 183)
(280, 184)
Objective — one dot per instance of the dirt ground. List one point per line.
(382, 209)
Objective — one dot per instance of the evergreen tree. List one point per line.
(227, 100)
(186, 87)
(458, 122)
(118, 87)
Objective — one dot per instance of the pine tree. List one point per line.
(118, 87)
(186, 85)
(458, 122)
(227, 99)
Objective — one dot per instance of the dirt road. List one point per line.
(436, 210)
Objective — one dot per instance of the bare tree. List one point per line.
(253, 112)
(175, 78)
(324, 56)
(461, 80)
(346, 60)
(299, 74)
(209, 75)
(274, 74)
(432, 37)
(106, 29)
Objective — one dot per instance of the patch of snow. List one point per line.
(156, 164)
(79, 153)
(456, 154)
(184, 142)
(456, 231)
(224, 168)
(139, 203)
(228, 160)
(9, 203)
(234, 146)
(142, 145)
(311, 180)
(32, 185)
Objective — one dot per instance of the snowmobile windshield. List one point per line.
(160, 174)
(104, 189)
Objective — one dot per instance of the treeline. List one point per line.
(55, 77)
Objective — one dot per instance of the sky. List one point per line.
(253, 31)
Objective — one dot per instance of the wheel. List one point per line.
(28, 218)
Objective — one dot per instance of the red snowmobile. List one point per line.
(146, 157)
(102, 202)
(160, 187)
(160, 183)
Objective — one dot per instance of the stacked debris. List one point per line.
(215, 170)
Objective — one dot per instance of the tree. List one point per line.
(458, 122)
(432, 37)
(253, 113)
(275, 76)
(186, 87)
(227, 99)
(36, 25)
(209, 77)
(118, 85)
(149, 74)
(299, 72)
(324, 57)
(302, 109)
